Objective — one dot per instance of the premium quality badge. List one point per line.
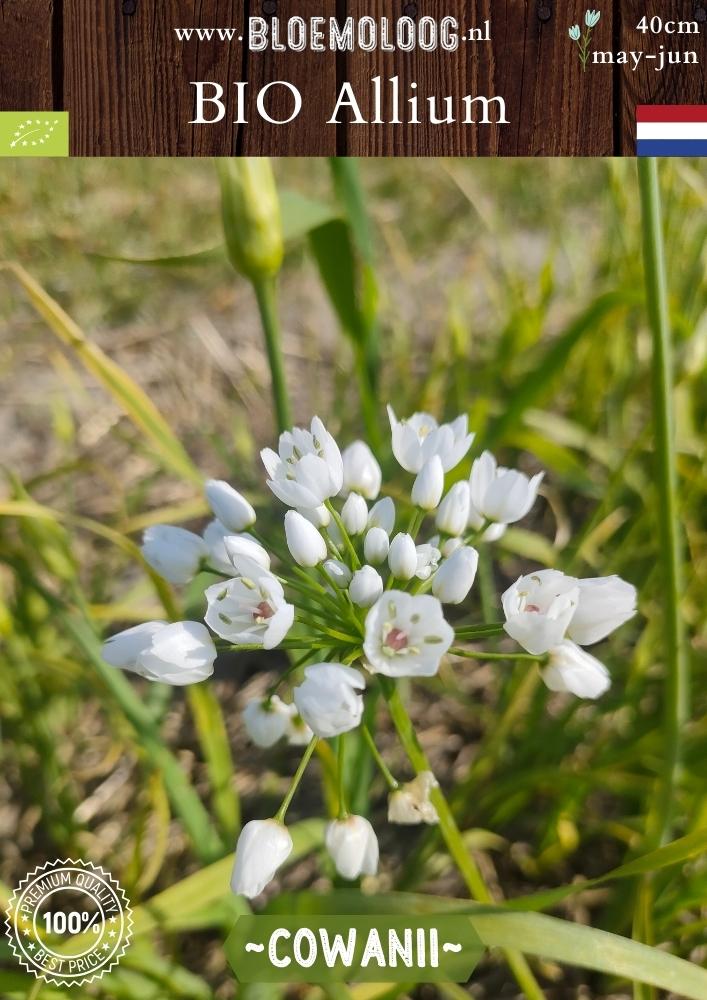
(68, 922)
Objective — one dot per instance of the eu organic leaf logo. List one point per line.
(34, 133)
(583, 40)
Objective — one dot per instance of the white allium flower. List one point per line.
(339, 572)
(229, 506)
(318, 516)
(406, 635)
(453, 514)
(429, 484)
(362, 472)
(410, 804)
(354, 514)
(298, 732)
(365, 587)
(262, 847)
(418, 438)
(402, 556)
(455, 577)
(244, 551)
(266, 720)
(178, 653)
(605, 602)
(382, 515)
(376, 545)
(217, 557)
(538, 609)
(174, 553)
(353, 847)
(476, 522)
(306, 545)
(501, 495)
(428, 557)
(329, 699)
(307, 469)
(571, 669)
(249, 610)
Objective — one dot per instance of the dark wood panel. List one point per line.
(127, 78)
(314, 74)
(552, 106)
(675, 84)
(562, 111)
(27, 28)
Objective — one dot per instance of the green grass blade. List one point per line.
(213, 739)
(129, 396)
(677, 680)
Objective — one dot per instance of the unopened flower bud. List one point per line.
(382, 515)
(318, 516)
(454, 578)
(429, 484)
(353, 847)
(366, 587)
(262, 847)
(571, 669)
(453, 513)
(266, 720)
(306, 545)
(339, 572)
(362, 472)
(229, 506)
(251, 216)
(354, 514)
(174, 553)
(402, 557)
(376, 545)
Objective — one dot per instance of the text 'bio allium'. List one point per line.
(360, 590)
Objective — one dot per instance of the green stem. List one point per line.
(265, 292)
(341, 744)
(355, 561)
(473, 654)
(451, 833)
(280, 814)
(376, 754)
(677, 683)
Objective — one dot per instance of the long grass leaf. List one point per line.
(129, 396)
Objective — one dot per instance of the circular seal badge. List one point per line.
(68, 922)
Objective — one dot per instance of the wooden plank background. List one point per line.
(118, 68)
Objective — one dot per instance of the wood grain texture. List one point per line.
(315, 76)
(676, 84)
(26, 38)
(127, 78)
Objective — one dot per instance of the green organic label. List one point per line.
(34, 133)
(322, 949)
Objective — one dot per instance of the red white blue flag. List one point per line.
(671, 130)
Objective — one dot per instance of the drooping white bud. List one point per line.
(174, 553)
(454, 578)
(353, 847)
(262, 847)
(306, 545)
(229, 506)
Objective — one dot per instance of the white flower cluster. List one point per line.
(355, 585)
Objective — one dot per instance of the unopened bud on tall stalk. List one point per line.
(251, 216)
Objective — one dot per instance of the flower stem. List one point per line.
(265, 292)
(355, 561)
(376, 754)
(280, 814)
(473, 654)
(677, 707)
(341, 744)
(451, 833)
